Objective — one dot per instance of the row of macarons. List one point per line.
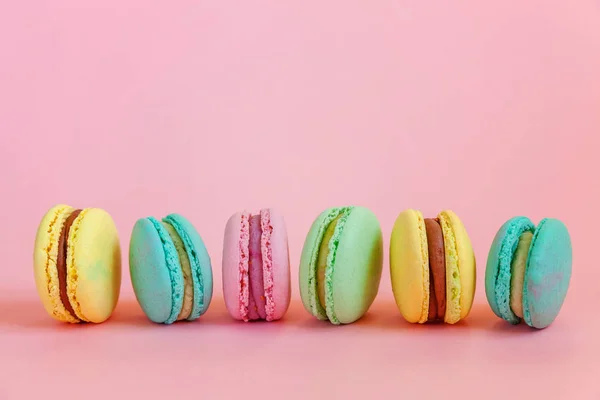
(77, 267)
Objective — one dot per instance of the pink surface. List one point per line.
(491, 109)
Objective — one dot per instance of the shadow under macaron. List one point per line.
(384, 315)
(20, 313)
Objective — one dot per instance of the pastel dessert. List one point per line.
(528, 271)
(256, 266)
(432, 267)
(170, 269)
(341, 263)
(77, 264)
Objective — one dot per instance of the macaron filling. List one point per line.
(315, 306)
(505, 288)
(437, 270)
(256, 267)
(197, 280)
(517, 278)
(329, 271)
(257, 301)
(61, 263)
(188, 288)
(50, 249)
(323, 261)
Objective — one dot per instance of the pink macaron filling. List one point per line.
(256, 267)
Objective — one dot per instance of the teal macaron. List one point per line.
(340, 265)
(528, 271)
(170, 269)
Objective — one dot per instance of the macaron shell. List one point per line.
(44, 262)
(281, 264)
(202, 272)
(94, 265)
(409, 266)
(548, 273)
(466, 263)
(150, 275)
(231, 254)
(453, 286)
(358, 264)
(498, 266)
(308, 259)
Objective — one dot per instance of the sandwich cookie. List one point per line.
(528, 271)
(432, 267)
(77, 264)
(256, 266)
(170, 269)
(341, 263)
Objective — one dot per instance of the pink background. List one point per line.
(489, 108)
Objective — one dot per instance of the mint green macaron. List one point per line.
(170, 269)
(341, 263)
(528, 271)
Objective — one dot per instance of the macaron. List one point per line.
(170, 269)
(256, 266)
(77, 264)
(432, 267)
(528, 271)
(341, 263)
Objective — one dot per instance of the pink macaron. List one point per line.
(256, 266)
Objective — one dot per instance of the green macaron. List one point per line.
(340, 265)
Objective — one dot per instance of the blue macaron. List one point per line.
(170, 269)
(528, 271)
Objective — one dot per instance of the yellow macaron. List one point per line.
(432, 267)
(77, 264)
